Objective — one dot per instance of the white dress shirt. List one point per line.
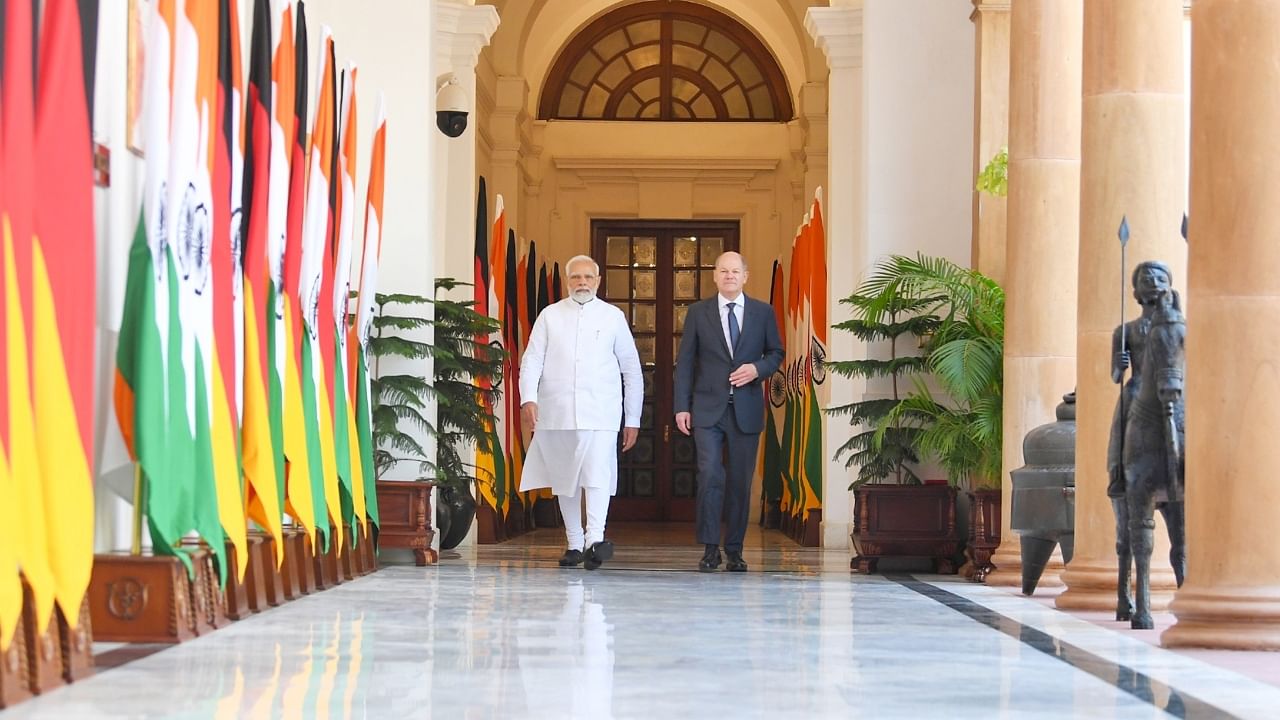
(724, 316)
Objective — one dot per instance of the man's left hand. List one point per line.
(629, 436)
(743, 375)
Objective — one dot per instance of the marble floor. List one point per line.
(502, 632)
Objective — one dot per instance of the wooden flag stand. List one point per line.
(270, 577)
(141, 598)
(77, 645)
(15, 674)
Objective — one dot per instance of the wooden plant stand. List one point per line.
(404, 509)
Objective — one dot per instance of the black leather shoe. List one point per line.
(571, 558)
(710, 561)
(736, 563)
(597, 554)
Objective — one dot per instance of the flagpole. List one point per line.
(136, 547)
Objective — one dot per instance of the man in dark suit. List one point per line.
(730, 345)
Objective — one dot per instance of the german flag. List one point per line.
(65, 306)
(258, 442)
(290, 72)
(18, 174)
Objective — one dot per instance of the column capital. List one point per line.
(837, 31)
(462, 31)
(989, 6)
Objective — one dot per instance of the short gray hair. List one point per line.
(581, 259)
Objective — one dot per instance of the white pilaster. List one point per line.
(461, 32)
(837, 31)
(508, 128)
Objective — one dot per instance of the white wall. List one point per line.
(918, 64)
(391, 41)
(916, 156)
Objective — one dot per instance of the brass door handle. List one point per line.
(666, 433)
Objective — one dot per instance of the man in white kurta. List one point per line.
(580, 380)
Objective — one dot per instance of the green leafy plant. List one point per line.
(994, 178)
(965, 354)
(883, 455)
(462, 356)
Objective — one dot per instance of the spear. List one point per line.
(1123, 233)
(1124, 242)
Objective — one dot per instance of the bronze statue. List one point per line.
(1145, 458)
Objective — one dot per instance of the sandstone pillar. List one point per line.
(1231, 598)
(1133, 148)
(1043, 223)
(990, 130)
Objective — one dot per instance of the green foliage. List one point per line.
(882, 455)
(463, 357)
(994, 178)
(965, 353)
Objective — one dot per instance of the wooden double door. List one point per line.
(653, 270)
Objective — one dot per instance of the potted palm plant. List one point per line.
(960, 426)
(463, 416)
(896, 515)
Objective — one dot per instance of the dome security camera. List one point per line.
(451, 106)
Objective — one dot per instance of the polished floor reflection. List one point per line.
(505, 633)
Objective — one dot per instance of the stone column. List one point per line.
(1231, 597)
(837, 31)
(1044, 222)
(1133, 151)
(990, 130)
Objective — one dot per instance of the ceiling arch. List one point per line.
(665, 60)
(534, 31)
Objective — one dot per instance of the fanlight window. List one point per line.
(666, 61)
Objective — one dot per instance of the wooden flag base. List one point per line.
(255, 579)
(44, 649)
(273, 575)
(237, 592)
(140, 598)
(296, 564)
(15, 674)
(77, 645)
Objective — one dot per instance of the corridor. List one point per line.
(502, 632)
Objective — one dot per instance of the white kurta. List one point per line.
(579, 358)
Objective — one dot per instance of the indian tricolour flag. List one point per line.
(190, 233)
(367, 307)
(346, 446)
(317, 286)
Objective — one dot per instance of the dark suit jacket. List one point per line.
(704, 363)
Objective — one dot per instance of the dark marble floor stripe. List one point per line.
(1140, 685)
(116, 657)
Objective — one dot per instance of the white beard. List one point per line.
(582, 297)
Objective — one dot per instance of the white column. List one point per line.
(837, 31)
(461, 32)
